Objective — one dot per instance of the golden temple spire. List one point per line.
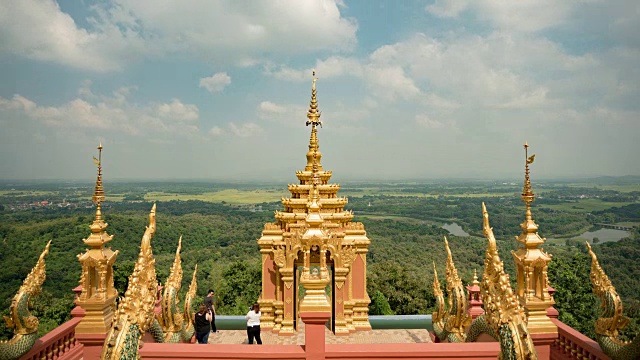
(313, 114)
(98, 193)
(475, 278)
(98, 228)
(527, 194)
(529, 236)
(314, 219)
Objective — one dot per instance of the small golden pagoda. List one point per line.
(531, 265)
(98, 296)
(313, 242)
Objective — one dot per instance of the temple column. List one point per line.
(339, 293)
(267, 320)
(360, 298)
(289, 297)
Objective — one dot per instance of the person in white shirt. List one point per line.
(253, 324)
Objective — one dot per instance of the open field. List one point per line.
(620, 188)
(232, 196)
(586, 205)
(27, 193)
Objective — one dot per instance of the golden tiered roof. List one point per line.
(332, 206)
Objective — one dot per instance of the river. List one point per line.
(455, 229)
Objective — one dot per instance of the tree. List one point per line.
(379, 305)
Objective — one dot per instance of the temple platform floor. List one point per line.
(389, 336)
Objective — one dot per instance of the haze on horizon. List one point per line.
(411, 90)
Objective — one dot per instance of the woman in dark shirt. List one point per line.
(202, 320)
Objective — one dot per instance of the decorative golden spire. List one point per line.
(529, 236)
(313, 114)
(475, 281)
(527, 194)
(98, 193)
(98, 236)
(532, 264)
(314, 219)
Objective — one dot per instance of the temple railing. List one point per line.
(60, 343)
(571, 344)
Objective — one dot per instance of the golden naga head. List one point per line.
(33, 282)
(610, 300)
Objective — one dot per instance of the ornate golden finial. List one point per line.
(314, 114)
(98, 193)
(475, 281)
(314, 119)
(313, 204)
(527, 194)
(98, 228)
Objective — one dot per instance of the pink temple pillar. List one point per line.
(475, 301)
(78, 311)
(314, 334)
(268, 297)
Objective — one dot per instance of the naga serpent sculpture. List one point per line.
(24, 324)
(612, 319)
(450, 325)
(171, 326)
(135, 310)
(503, 312)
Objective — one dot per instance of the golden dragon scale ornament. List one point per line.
(451, 324)
(503, 312)
(24, 325)
(135, 310)
(172, 325)
(612, 319)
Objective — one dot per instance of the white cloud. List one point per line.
(429, 123)
(220, 31)
(245, 129)
(522, 15)
(114, 113)
(40, 30)
(216, 131)
(216, 82)
(448, 8)
(332, 67)
(271, 108)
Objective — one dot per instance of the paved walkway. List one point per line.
(395, 336)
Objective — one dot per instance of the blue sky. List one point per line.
(408, 89)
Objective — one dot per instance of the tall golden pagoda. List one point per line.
(531, 265)
(98, 296)
(314, 235)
